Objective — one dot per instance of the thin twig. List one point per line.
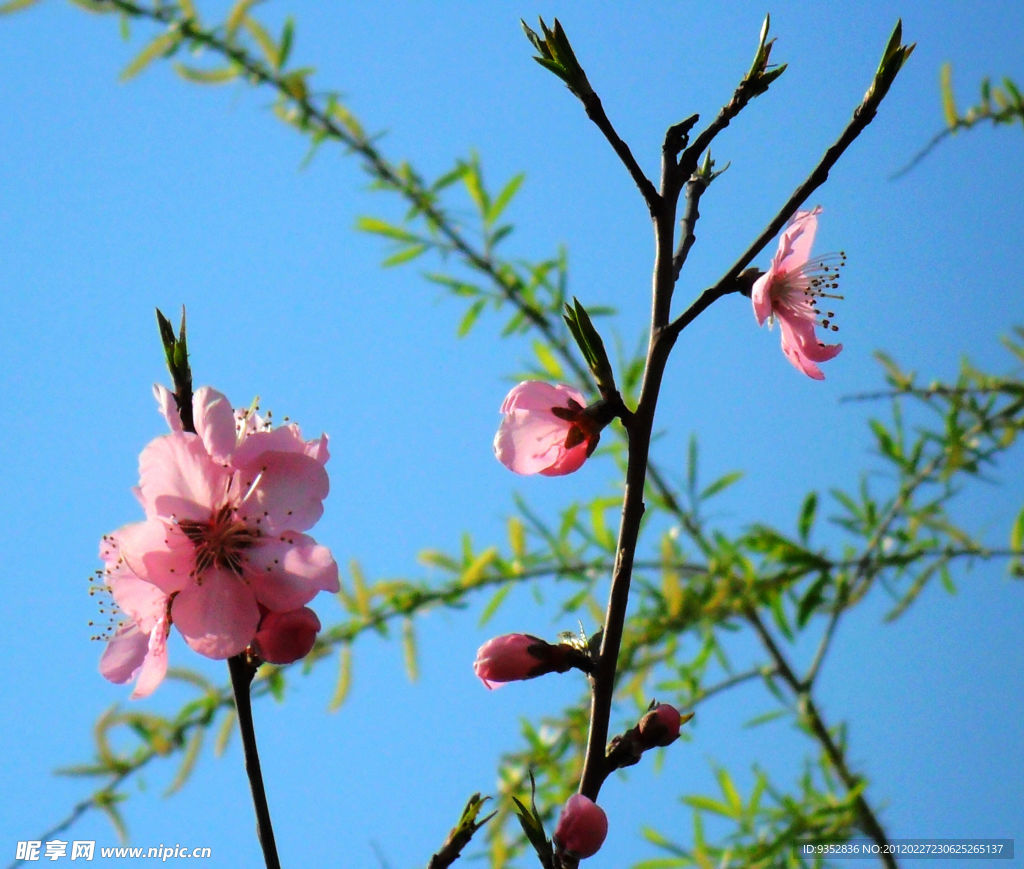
(595, 111)
(812, 715)
(242, 672)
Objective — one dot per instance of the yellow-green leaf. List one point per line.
(344, 682)
(164, 43)
(221, 75)
(16, 5)
(474, 572)
(263, 39)
(409, 650)
(188, 761)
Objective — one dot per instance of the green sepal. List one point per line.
(591, 345)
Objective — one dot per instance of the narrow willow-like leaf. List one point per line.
(343, 683)
(264, 40)
(222, 75)
(224, 733)
(550, 365)
(476, 569)
(188, 761)
(362, 594)
(707, 804)
(16, 5)
(470, 317)
(494, 603)
(381, 227)
(948, 101)
(163, 44)
(406, 255)
(503, 198)
(808, 513)
(409, 650)
(236, 16)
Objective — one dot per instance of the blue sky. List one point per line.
(116, 198)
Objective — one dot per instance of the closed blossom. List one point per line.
(545, 429)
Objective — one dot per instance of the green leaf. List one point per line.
(721, 484)
(381, 227)
(406, 255)
(188, 762)
(475, 185)
(16, 6)
(237, 15)
(730, 793)
(1017, 532)
(808, 512)
(164, 44)
(287, 38)
(344, 680)
(470, 317)
(263, 39)
(224, 734)
(494, 603)
(503, 198)
(552, 367)
(222, 75)
(948, 102)
(475, 570)
(707, 804)
(811, 599)
(409, 650)
(766, 717)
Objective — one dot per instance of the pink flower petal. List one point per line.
(157, 553)
(287, 571)
(568, 461)
(124, 654)
(218, 617)
(285, 439)
(795, 244)
(761, 296)
(177, 479)
(285, 491)
(167, 406)
(154, 666)
(538, 395)
(215, 422)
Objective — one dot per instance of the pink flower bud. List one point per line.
(546, 430)
(286, 637)
(660, 726)
(511, 657)
(581, 828)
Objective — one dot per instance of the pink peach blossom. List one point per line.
(545, 430)
(581, 829)
(791, 289)
(225, 511)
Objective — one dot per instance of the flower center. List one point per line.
(219, 542)
(804, 288)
